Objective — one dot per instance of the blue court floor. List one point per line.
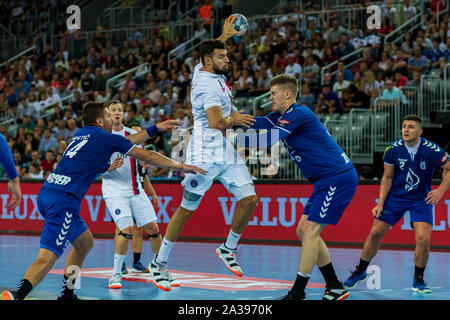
(269, 272)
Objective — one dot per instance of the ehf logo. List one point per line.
(423, 165)
(117, 212)
(194, 183)
(402, 163)
(412, 180)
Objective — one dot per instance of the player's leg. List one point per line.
(120, 210)
(74, 261)
(237, 180)
(136, 246)
(422, 221)
(116, 238)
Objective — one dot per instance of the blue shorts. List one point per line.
(394, 210)
(331, 197)
(63, 223)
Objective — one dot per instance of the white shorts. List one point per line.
(232, 176)
(138, 207)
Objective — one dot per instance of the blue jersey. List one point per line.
(306, 140)
(413, 172)
(86, 157)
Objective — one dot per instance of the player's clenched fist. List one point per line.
(377, 210)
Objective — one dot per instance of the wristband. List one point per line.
(152, 130)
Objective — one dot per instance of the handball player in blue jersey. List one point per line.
(409, 165)
(7, 161)
(322, 161)
(86, 157)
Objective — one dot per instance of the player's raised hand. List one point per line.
(434, 196)
(376, 211)
(117, 163)
(192, 169)
(242, 119)
(16, 194)
(169, 125)
(228, 30)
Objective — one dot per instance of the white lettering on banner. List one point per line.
(441, 226)
(447, 202)
(25, 208)
(227, 214)
(107, 215)
(94, 212)
(163, 202)
(6, 214)
(35, 213)
(265, 213)
(282, 212)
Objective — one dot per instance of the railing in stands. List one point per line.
(412, 24)
(446, 84)
(139, 71)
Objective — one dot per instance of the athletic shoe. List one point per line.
(228, 256)
(356, 277)
(124, 268)
(139, 267)
(115, 281)
(336, 293)
(9, 295)
(70, 297)
(173, 282)
(291, 297)
(160, 275)
(419, 285)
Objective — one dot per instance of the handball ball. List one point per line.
(241, 23)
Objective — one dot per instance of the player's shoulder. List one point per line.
(396, 144)
(430, 146)
(129, 130)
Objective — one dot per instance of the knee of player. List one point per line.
(376, 233)
(185, 213)
(127, 230)
(249, 202)
(151, 228)
(423, 239)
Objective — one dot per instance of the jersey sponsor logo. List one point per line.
(284, 122)
(412, 180)
(401, 163)
(423, 165)
(117, 212)
(444, 158)
(58, 179)
(194, 183)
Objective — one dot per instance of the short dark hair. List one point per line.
(208, 46)
(92, 111)
(287, 82)
(413, 117)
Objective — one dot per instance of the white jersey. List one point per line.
(123, 181)
(208, 145)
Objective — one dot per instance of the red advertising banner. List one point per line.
(275, 219)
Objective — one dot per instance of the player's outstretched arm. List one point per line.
(7, 161)
(435, 195)
(157, 159)
(144, 135)
(237, 118)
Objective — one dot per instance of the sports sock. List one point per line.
(330, 276)
(232, 240)
(136, 257)
(363, 265)
(118, 261)
(164, 250)
(418, 271)
(298, 289)
(23, 289)
(66, 291)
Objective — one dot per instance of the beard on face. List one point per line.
(223, 71)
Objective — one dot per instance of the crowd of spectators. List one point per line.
(45, 93)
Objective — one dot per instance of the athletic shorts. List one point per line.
(138, 207)
(393, 211)
(331, 197)
(62, 221)
(232, 176)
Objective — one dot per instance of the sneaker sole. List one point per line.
(347, 288)
(6, 295)
(161, 287)
(239, 274)
(345, 296)
(115, 286)
(139, 271)
(176, 284)
(420, 291)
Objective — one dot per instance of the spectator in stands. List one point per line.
(132, 119)
(306, 97)
(47, 163)
(344, 47)
(36, 156)
(348, 75)
(162, 111)
(400, 80)
(370, 83)
(293, 68)
(385, 63)
(327, 79)
(72, 126)
(311, 72)
(358, 99)
(365, 172)
(128, 84)
(400, 63)
(393, 93)
(28, 124)
(146, 121)
(340, 84)
(21, 165)
(262, 82)
(99, 80)
(48, 141)
(418, 62)
(435, 55)
(35, 171)
(87, 78)
(407, 44)
(163, 81)
(415, 81)
(372, 38)
(243, 84)
(336, 30)
(328, 101)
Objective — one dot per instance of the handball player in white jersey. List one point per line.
(127, 202)
(208, 149)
